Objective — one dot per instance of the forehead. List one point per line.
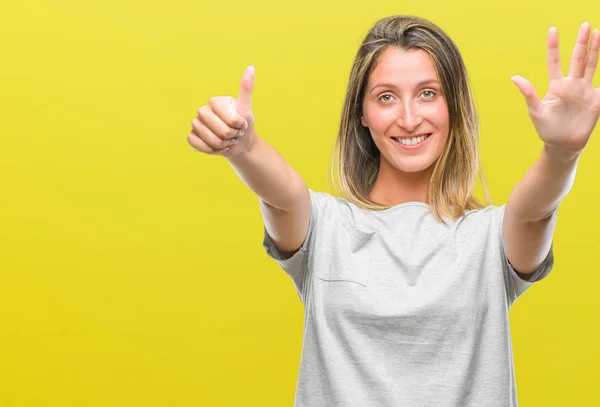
(400, 66)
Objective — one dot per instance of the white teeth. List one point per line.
(412, 141)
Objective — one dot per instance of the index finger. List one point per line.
(228, 114)
(554, 66)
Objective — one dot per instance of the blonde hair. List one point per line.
(355, 155)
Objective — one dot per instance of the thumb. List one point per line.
(244, 100)
(529, 93)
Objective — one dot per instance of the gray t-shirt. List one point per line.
(400, 310)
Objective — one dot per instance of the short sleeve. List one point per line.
(297, 266)
(515, 284)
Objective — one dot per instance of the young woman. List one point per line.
(407, 279)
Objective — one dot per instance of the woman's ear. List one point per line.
(363, 121)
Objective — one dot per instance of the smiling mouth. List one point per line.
(412, 141)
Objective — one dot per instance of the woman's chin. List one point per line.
(416, 165)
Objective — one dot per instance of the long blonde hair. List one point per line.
(355, 155)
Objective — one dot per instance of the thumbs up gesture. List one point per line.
(225, 126)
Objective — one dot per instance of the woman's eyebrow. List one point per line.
(391, 85)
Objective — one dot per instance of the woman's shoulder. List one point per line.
(336, 210)
(488, 217)
(325, 201)
(489, 210)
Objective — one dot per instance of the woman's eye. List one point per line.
(427, 92)
(384, 95)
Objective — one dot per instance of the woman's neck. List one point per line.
(394, 187)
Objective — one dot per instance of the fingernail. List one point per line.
(245, 125)
(241, 134)
(234, 141)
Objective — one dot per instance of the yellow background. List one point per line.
(132, 271)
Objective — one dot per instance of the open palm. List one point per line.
(566, 117)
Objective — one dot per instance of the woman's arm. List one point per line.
(284, 198)
(564, 120)
(530, 214)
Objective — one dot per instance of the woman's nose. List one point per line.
(409, 117)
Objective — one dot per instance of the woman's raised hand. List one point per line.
(565, 118)
(225, 125)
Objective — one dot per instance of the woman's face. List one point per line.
(404, 98)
